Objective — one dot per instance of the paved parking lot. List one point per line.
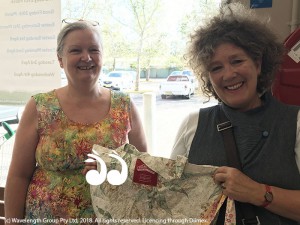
(169, 113)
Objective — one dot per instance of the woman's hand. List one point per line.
(238, 186)
(90, 164)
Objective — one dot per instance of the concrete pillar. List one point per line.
(149, 99)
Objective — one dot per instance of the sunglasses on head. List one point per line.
(71, 20)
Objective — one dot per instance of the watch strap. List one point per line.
(268, 193)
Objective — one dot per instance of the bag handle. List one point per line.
(232, 155)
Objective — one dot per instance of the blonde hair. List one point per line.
(79, 25)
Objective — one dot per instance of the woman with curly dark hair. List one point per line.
(236, 56)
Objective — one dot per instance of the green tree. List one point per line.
(141, 19)
(202, 10)
(83, 9)
(116, 47)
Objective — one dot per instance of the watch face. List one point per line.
(269, 197)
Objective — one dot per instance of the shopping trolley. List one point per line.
(6, 146)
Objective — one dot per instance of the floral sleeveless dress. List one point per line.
(58, 192)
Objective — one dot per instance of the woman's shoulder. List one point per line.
(119, 94)
(43, 95)
(282, 105)
(119, 97)
(193, 116)
(190, 121)
(45, 98)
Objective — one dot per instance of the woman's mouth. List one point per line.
(85, 67)
(235, 86)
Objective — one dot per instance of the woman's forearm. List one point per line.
(15, 198)
(285, 203)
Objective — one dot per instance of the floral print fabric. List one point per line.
(185, 193)
(58, 190)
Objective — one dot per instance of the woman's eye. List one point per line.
(95, 50)
(75, 50)
(215, 68)
(237, 61)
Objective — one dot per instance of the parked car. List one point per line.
(118, 80)
(10, 113)
(189, 73)
(182, 72)
(177, 84)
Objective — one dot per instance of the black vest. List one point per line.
(265, 139)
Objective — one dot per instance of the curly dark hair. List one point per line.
(239, 26)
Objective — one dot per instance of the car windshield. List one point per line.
(115, 75)
(177, 78)
(176, 73)
(186, 72)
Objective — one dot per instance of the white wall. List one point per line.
(280, 15)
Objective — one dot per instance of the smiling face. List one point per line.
(233, 75)
(82, 56)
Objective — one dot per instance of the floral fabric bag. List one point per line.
(158, 191)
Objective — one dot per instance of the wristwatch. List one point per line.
(268, 196)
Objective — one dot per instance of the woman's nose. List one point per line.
(229, 73)
(85, 56)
